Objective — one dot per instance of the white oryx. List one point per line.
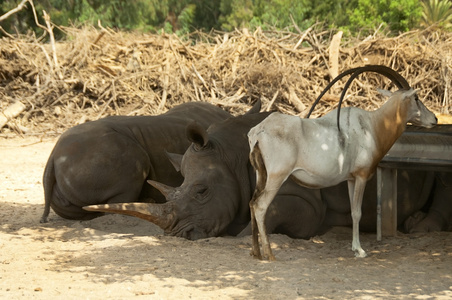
(318, 153)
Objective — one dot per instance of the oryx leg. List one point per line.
(356, 190)
(261, 179)
(269, 179)
(255, 251)
(259, 208)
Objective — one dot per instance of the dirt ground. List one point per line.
(119, 257)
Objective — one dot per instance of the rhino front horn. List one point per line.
(161, 215)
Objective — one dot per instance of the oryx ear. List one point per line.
(385, 93)
(409, 93)
(197, 135)
(175, 159)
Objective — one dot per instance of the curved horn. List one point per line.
(391, 74)
(395, 77)
(338, 77)
(161, 215)
(163, 188)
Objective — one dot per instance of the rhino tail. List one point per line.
(48, 182)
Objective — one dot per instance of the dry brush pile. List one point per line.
(48, 87)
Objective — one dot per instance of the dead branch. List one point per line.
(52, 42)
(334, 54)
(131, 73)
(11, 112)
(15, 10)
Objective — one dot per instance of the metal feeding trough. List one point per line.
(422, 148)
(418, 148)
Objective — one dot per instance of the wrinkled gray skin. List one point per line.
(214, 197)
(219, 181)
(109, 160)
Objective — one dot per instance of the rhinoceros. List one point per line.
(109, 160)
(219, 180)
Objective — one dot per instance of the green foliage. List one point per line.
(400, 15)
(81, 12)
(184, 16)
(333, 13)
(186, 19)
(277, 13)
(366, 15)
(207, 14)
(437, 13)
(137, 14)
(235, 14)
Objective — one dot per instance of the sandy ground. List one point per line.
(118, 257)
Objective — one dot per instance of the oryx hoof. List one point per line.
(256, 255)
(360, 253)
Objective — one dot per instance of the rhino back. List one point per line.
(108, 160)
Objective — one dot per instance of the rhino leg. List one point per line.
(68, 210)
(412, 221)
(112, 169)
(439, 215)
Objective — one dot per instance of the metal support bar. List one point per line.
(428, 149)
(387, 209)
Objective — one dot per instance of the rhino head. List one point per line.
(218, 183)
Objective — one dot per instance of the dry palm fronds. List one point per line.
(104, 72)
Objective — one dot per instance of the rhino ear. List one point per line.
(256, 108)
(197, 134)
(175, 159)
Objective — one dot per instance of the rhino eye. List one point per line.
(200, 193)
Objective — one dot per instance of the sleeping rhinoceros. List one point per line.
(109, 160)
(218, 183)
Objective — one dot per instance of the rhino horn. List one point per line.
(161, 215)
(175, 159)
(163, 188)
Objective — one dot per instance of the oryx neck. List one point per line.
(389, 123)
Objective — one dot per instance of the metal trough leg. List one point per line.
(386, 202)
